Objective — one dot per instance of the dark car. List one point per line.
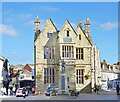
(50, 90)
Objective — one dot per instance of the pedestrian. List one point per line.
(11, 91)
(117, 89)
(33, 90)
(97, 89)
(14, 90)
(4, 90)
(8, 91)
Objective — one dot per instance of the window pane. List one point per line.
(53, 79)
(47, 71)
(62, 54)
(69, 48)
(77, 79)
(76, 72)
(79, 37)
(48, 35)
(69, 54)
(50, 71)
(65, 54)
(44, 71)
(53, 71)
(47, 55)
(44, 79)
(52, 53)
(76, 50)
(68, 33)
(81, 50)
(63, 48)
(47, 79)
(50, 79)
(81, 56)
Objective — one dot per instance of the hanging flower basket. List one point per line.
(39, 76)
(87, 76)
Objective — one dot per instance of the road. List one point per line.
(105, 96)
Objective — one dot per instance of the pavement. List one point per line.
(103, 95)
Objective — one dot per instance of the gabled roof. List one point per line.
(85, 35)
(53, 23)
(28, 68)
(71, 26)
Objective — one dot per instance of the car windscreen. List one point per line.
(20, 89)
(50, 88)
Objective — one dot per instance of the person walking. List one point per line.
(33, 90)
(117, 89)
(97, 89)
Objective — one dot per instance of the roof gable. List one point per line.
(79, 30)
(28, 68)
(68, 24)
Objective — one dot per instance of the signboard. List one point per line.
(67, 39)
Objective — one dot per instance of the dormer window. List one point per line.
(49, 35)
(67, 33)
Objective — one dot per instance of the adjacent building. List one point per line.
(110, 75)
(4, 73)
(75, 47)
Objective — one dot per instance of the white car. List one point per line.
(19, 92)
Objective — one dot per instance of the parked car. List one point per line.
(50, 90)
(19, 92)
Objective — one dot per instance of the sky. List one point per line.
(18, 26)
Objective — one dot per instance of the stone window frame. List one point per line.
(79, 53)
(67, 51)
(49, 78)
(49, 52)
(80, 74)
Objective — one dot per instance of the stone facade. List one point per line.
(82, 59)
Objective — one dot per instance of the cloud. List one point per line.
(24, 16)
(30, 22)
(48, 8)
(19, 59)
(109, 25)
(9, 19)
(92, 22)
(8, 30)
(42, 23)
(15, 53)
(6, 12)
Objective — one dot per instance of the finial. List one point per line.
(87, 18)
(37, 16)
(79, 21)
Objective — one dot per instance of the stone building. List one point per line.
(82, 59)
